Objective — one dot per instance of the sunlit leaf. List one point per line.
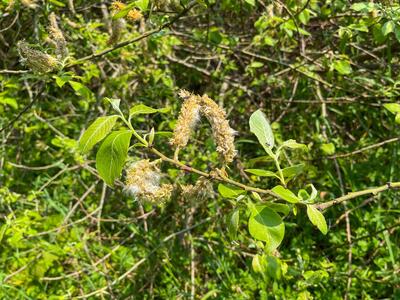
(317, 218)
(285, 194)
(267, 226)
(96, 132)
(112, 154)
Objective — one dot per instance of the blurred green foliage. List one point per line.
(326, 74)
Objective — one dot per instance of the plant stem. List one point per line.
(214, 175)
(374, 191)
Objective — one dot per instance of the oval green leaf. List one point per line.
(96, 132)
(317, 218)
(228, 192)
(285, 194)
(144, 109)
(259, 125)
(266, 225)
(261, 173)
(112, 154)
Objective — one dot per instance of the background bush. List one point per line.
(320, 70)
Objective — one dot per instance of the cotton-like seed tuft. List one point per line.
(188, 118)
(222, 132)
(143, 181)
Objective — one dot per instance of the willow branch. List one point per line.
(218, 176)
(136, 39)
(352, 195)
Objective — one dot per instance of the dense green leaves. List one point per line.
(96, 132)
(112, 154)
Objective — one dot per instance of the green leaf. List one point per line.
(285, 194)
(292, 171)
(328, 149)
(142, 4)
(292, 144)
(80, 89)
(257, 264)
(9, 101)
(58, 3)
(397, 118)
(388, 27)
(317, 218)
(359, 6)
(304, 16)
(96, 132)
(260, 126)
(266, 225)
(342, 66)
(392, 107)
(144, 109)
(114, 103)
(228, 192)
(279, 207)
(251, 2)
(233, 223)
(112, 154)
(262, 173)
(305, 196)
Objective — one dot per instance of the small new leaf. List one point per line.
(144, 109)
(317, 218)
(261, 173)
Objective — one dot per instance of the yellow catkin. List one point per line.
(57, 37)
(143, 181)
(117, 5)
(29, 3)
(36, 60)
(133, 15)
(222, 132)
(187, 120)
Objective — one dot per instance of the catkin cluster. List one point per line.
(35, 59)
(143, 181)
(199, 191)
(57, 37)
(192, 108)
